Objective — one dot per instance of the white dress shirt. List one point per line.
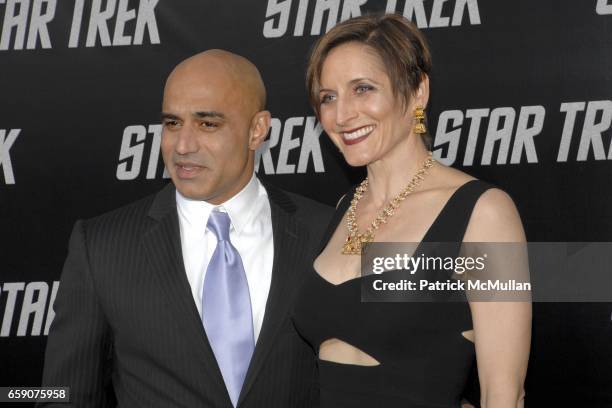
(250, 233)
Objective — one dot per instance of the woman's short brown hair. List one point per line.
(399, 44)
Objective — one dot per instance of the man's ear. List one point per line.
(260, 124)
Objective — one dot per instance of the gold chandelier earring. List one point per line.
(419, 117)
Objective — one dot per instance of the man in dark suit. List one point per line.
(182, 299)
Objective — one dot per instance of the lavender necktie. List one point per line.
(226, 308)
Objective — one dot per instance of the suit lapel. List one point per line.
(289, 255)
(162, 245)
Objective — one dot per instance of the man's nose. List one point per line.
(186, 142)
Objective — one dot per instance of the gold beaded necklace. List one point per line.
(355, 241)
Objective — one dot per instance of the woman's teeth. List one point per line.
(358, 133)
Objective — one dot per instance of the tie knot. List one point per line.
(219, 224)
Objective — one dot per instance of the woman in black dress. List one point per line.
(368, 81)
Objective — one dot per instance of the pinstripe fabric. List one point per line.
(127, 332)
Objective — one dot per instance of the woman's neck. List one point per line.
(388, 176)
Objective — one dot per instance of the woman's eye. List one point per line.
(326, 98)
(363, 88)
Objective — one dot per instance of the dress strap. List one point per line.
(452, 222)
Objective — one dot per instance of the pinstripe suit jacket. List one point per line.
(127, 332)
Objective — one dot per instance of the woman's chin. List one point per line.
(357, 161)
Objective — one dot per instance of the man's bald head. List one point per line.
(213, 122)
(223, 68)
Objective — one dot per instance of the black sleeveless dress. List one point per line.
(424, 359)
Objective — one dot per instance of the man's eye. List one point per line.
(209, 125)
(171, 123)
(327, 98)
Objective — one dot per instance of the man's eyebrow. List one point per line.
(165, 116)
(208, 114)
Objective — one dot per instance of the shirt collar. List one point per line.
(239, 208)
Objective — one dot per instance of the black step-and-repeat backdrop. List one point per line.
(521, 97)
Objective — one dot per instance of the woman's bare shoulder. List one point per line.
(495, 217)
